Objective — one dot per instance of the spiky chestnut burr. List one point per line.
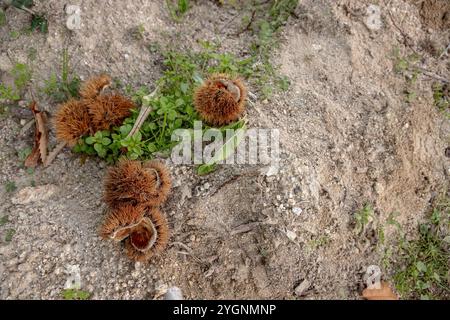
(149, 238)
(134, 182)
(92, 87)
(220, 99)
(144, 229)
(107, 111)
(72, 121)
(120, 221)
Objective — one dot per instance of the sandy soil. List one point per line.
(348, 137)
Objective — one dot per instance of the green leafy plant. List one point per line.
(75, 294)
(423, 268)
(172, 107)
(99, 141)
(66, 85)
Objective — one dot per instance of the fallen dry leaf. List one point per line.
(41, 141)
(40, 138)
(384, 293)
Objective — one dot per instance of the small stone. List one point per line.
(291, 235)
(297, 211)
(302, 287)
(67, 249)
(379, 188)
(23, 122)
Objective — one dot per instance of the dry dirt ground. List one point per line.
(348, 137)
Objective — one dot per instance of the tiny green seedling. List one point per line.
(4, 220)
(23, 154)
(318, 242)
(393, 222)
(177, 8)
(2, 18)
(22, 75)
(441, 98)
(65, 86)
(9, 235)
(8, 93)
(14, 34)
(138, 32)
(363, 217)
(406, 67)
(10, 186)
(39, 23)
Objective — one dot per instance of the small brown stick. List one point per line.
(143, 113)
(244, 228)
(249, 24)
(405, 36)
(432, 75)
(26, 9)
(52, 155)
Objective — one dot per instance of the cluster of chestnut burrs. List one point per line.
(95, 110)
(135, 190)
